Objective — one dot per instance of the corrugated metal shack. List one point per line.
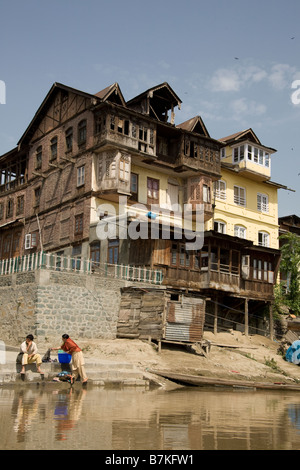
(161, 315)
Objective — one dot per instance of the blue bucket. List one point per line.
(63, 357)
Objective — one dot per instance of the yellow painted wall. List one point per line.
(248, 216)
(163, 184)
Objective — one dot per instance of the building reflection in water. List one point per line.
(134, 419)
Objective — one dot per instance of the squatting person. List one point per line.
(29, 352)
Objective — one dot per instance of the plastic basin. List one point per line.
(63, 357)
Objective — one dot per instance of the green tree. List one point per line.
(290, 265)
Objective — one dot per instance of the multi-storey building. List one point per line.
(87, 164)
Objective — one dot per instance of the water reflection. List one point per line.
(67, 412)
(134, 419)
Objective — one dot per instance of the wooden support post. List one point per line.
(216, 317)
(246, 318)
(271, 321)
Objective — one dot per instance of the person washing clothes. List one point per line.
(69, 346)
(29, 352)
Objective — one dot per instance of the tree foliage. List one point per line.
(290, 265)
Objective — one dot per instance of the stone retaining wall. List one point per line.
(50, 303)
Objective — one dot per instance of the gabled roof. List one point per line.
(242, 136)
(194, 124)
(247, 134)
(290, 219)
(51, 93)
(159, 99)
(112, 93)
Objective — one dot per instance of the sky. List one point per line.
(233, 62)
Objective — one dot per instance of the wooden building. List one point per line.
(82, 155)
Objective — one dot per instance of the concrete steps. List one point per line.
(99, 372)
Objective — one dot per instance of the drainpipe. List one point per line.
(40, 234)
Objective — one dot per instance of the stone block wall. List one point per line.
(50, 303)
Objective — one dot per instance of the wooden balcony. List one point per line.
(221, 280)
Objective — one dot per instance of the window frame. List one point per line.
(265, 239)
(219, 192)
(80, 180)
(238, 199)
(262, 206)
(82, 132)
(220, 224)
(240, 229)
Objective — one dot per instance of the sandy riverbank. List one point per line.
(250, 358)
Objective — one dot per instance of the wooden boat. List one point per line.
(200, 381)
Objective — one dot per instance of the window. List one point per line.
(263, 239)
(123, 126)
(223, 152)
(206, 193)
(95, 254)
(220, 190)
(69, 139)
(53, 148)
(31, 240)
(10, 208)
(20, 205)
(219, 226)
(240, 231)
(238, 153)
(76, 257)
(179, 256)
(38, 158)
(262, 203)
(82, 132)
(78, 224)
(134, 186)
(124, 169)
(255, 154)
(152, 191)
(113, 251)
(1, 211)
(98, 123)
(259, 156)
(37, 196)
(240, 196)
(263, 270)
(80, 176)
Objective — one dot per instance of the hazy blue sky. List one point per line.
(231, 61)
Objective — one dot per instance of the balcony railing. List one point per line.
(53, 261)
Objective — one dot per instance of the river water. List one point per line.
(58, 418)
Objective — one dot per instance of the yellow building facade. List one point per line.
(245, 198)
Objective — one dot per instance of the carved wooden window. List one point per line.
(37, 196)
(20, 205)
(10, 208)
(38, 158)
(78, 224)
(124, 169)
(82, 132)
(53, 148)
(69, 139)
